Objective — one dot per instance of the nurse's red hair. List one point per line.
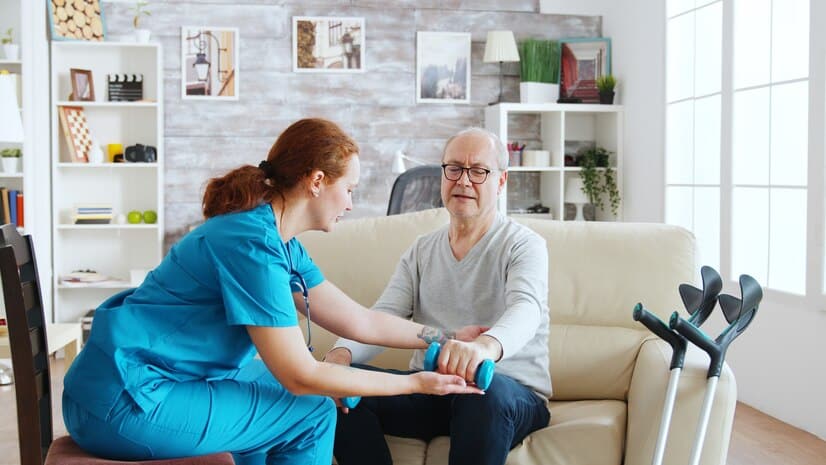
(307, 145)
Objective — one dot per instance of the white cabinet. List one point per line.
(559, 129)
(115, 250)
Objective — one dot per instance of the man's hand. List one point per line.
(470, 333)
(340, 356)
(462, 358)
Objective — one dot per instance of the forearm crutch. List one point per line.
(700, 304)
(739, 313)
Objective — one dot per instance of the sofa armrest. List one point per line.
(646, 396)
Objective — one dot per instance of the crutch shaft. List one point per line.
(702, 424)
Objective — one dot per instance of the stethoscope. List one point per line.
(299, 285)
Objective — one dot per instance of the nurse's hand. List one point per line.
(430, 382)
(470, 333)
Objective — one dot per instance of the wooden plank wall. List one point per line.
(378, 107)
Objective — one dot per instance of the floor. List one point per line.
(757, 438)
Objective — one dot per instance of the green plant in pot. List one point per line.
(11, 160)
(605, 85)
(539, 71)
(138, 10)
(10, 50)
(598, 178)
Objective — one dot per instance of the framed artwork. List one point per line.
(76, 133)
(209, 63)
(442, 67)
(582, 62)
(324, 44)
(76, 20)
(83, 88)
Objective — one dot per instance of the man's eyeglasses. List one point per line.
(475, 174)
(300, 283)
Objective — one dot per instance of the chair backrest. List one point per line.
(416, 189)
(27, 340)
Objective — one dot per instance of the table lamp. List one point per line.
(11, 127)
(398, 166)
(500, 46)
(575, 195)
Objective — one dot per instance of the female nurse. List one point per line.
(168, 370)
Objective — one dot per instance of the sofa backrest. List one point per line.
(597, 273)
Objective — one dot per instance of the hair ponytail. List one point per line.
(307, 145)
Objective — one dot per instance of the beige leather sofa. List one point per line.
(609, 373)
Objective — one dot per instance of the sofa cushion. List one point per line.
(581, 432)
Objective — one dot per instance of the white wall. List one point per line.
(779, 362)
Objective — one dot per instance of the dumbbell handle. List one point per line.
(484, 372)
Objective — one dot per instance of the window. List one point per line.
(761, 177)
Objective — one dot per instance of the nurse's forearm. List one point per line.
(330, 379)
(391, 331)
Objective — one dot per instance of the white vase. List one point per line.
(538, 92)
(11, 51)
(142, 35)
(11, 165)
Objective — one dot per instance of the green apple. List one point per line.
(150, 216)
(134, 217)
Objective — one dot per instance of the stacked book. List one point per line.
(11, 206)
(93, 214)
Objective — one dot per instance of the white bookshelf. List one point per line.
(559, 126)
(110, 249)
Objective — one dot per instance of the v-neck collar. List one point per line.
(474, 249)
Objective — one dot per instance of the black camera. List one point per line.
(140, 153)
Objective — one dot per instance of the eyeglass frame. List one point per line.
(466, 170)
(305, 294)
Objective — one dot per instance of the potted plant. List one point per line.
(539, 71)
(10, 50)
(605, 85)
(11, 160)
(598, 178)
(140, 9)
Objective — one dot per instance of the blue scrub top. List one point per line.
(187, 321)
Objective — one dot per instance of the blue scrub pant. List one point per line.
(482, 429)
(252, 415)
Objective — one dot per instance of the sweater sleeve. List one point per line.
(397, 299)
(526, 291)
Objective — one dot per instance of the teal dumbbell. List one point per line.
(350, 402)
(484, 372)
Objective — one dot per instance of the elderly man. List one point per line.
(481, 269)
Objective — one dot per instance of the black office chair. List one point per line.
(418, 188)
(30, 361)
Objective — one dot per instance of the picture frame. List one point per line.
(582, 61)
(83, 86)
(326, 44)
(69, 22)
(210, 65)
(442, 67)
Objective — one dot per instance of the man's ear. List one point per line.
(503, 178)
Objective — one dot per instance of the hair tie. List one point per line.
(266, 167)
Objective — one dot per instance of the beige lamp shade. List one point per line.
(573, 190)
(500, 46)
(11, 127)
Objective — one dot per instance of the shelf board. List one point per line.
(71, 103)
(107, 165)
(103, 285)
(103, 44)
(547, 107)
(80, 227)
(10, 62)
(11, 176)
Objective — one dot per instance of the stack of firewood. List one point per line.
(77, 19)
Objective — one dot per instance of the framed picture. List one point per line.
(582, 62)
(328, 45)
(76, 20)
(443, 67)
(76, 133)
(83, 88)
(209, 63)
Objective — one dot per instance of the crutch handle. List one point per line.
(677, 342)
(701, 340)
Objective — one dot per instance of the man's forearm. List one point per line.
(430, 335)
